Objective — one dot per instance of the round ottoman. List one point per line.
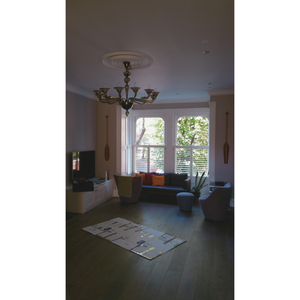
(185, 201)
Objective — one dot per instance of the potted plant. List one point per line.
(199, 185)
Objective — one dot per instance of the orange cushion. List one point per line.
(141, 175)
(158, 180)
(148, 179)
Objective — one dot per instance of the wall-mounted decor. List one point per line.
(226, 146)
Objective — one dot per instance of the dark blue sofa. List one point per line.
(174, 184)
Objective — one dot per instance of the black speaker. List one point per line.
(84, 186)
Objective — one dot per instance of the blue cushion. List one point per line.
(178, 179)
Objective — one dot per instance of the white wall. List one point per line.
(81, 129)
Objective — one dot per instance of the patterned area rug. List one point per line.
(139, 239)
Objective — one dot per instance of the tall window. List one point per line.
(149, 145)
(192, 148)
(169, 140)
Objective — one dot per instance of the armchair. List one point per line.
(131, 193)
(215, 205)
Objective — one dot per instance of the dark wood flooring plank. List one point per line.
(136, 267)
(168, 289)
(81, 266)
(137, 279)
(154, 281)
(203, 284)
(222, 268)
(186, 234)
(96, 283)
(215, 275)
(186, 286)
(156, 278)
(159, 221)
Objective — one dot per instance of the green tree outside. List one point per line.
(192, 131)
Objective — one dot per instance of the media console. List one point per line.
(80, 202)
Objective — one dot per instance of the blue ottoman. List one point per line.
(185, 201)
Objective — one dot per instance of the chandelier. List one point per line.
(127, 102)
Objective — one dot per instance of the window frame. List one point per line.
(169, 116)
(191, 147)
(134, 146)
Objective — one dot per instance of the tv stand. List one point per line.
(80, 202)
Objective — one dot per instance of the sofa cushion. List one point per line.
(141, 175)
(167, 178)
(158, 180)
(148, 179)
(178, 179)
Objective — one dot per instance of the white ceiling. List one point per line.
(170, 31)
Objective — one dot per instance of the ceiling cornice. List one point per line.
(79, 91)
(221, 92)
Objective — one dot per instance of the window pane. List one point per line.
(200, 161)
(128, 138)
(129, 160)
(157, 160)
(183, 160)
(150, 131)
(141, 159)
(192, 131)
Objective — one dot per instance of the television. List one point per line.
(83, 165)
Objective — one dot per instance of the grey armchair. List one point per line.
(215, 205)
(135, 191)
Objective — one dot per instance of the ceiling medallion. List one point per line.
(137, 60)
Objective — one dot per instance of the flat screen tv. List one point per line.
(83, 165)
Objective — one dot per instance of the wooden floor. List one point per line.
(201, 268)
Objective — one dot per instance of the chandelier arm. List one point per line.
(143, 101)
(109, 101)
(106, 97)
(102, 95)
(145, 98)
(138, 101)
(150, 101)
